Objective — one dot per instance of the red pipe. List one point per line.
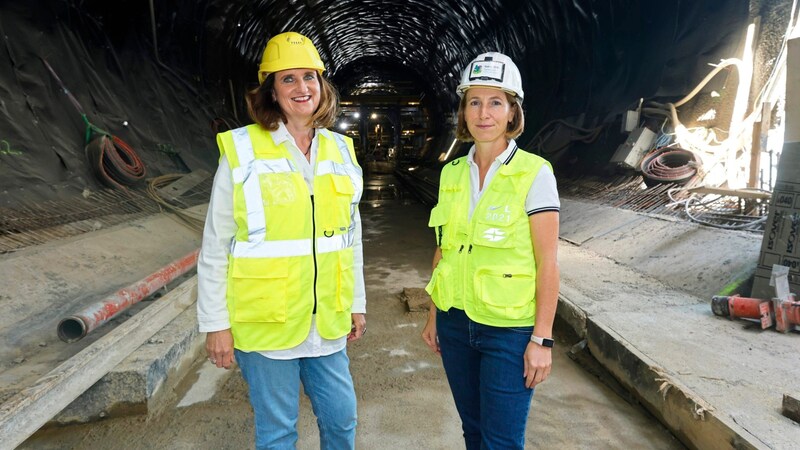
(76, 326)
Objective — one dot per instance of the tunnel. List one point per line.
(666, 125)
(185, 66)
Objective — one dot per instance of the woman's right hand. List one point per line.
(219, 346)
(429, 334)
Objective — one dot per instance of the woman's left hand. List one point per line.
(538, 361)
(359, 327)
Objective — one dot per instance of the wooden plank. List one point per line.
(32, 407)
(174, 190)
(791, 406)
(742, 193)
(760, 130)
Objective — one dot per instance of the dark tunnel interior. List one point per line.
(158, 73)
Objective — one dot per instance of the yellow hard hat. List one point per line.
(289, 50)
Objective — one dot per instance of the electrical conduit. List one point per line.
(78, 325)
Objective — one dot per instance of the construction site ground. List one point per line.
(640, 360)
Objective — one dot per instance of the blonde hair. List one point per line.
(265, 111)
(513, 129)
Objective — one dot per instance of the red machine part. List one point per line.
(738, 307)
(787, 314)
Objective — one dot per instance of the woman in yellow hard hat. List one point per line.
(495, 271)
(280, 274)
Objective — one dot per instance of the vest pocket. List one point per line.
(346, 281)
(258, 289)
(439, 288)
(335, 214)
(506, 292)
(440, 215)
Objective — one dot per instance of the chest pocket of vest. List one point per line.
(506, 291)
(334, 205)
(495, 225)
(257, 288)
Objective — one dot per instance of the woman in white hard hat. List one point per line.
(280, 275)
(495, 270)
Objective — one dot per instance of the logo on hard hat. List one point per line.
(487, 70)
(295, 39)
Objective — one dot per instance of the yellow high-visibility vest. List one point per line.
(291, 253)
(487, 266)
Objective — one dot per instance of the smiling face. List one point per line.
(297, 92)
(487, 112)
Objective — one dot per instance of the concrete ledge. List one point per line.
(690, 418)
(683, 412)
(570, 312)
(142, 383)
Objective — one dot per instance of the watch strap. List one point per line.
(544, 342)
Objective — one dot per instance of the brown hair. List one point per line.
(513, 129)
(266, 112)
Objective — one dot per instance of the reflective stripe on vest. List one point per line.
(252, 191)
(247, 174)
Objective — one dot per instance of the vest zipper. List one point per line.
(314, 252)
(440, 235)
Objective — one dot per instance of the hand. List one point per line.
(359, 327)
(219, 346)
(538, 361)
(429, 334)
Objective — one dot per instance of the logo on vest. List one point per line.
(497, 215)
(494, 235)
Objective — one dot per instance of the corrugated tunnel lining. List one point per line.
(576, 57)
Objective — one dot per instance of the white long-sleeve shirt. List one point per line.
(212, 264)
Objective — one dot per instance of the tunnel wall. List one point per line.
(105, 63)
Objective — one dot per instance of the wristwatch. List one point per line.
(544, 342)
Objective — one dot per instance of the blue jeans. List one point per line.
(484, 366)
(274, 394)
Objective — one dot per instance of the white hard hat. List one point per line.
(494, 70)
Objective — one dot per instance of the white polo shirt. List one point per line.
(542, 195)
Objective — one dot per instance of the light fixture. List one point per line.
(373, 116)
(357, 114)
(343, 125)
